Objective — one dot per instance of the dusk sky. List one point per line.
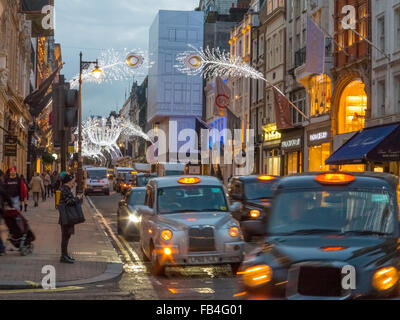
(92, 26)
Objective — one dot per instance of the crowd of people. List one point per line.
(15, 190)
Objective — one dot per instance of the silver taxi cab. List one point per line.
(187, 221)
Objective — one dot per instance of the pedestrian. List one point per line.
(47, 184)
(42, 176)
(13, 187)
(37, 187)
(67, 230)
(24, 194)
(4, 197)
(54, 178)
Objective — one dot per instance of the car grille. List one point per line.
(201, 239)
(320, 281)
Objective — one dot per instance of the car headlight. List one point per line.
(385, 278)
(166, 234)
(234, 232)
(255, 214)
(134, 218)
(256, 275)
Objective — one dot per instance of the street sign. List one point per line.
(10, 146)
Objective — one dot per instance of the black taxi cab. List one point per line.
(255, 195)
(329, 236)
(187, 221)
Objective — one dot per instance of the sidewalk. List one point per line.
(96, 259)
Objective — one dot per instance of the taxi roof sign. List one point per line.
(266, 178)
(189, 180)
(335, 178)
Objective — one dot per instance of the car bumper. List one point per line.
(97, 190)
(233, 254)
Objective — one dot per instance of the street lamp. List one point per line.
(83, 65)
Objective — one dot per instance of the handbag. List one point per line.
(71, 215)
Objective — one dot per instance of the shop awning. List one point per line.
(378, 144)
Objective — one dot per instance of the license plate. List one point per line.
(98, 189)
(203, 260)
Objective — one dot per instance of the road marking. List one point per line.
(41, 290)
(146, 284)
(33, 284)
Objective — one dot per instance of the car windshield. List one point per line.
(191, 199)
(136, 198)
(97, 174)
(258, 190)
(338, 212)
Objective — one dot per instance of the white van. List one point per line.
(96, 181)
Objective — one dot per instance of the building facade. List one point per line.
(15, 71)
(351, 99)
(174, 96)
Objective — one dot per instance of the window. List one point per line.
(351, 37)
(340, 38)
(363, 22)
(320, 92)
(381, 33)
(352, 108)
(397, 94)
(397, 28)
(299, 99)
(381, 98)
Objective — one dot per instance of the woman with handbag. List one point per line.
(68, 203)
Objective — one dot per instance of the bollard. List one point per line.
(58, 197)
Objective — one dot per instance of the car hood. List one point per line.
(359, 251)
(192, 219)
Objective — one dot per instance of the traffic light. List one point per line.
(71, 108)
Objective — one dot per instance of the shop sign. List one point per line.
(10, 146)
(319, 136)
(293, 143)
(272, 133)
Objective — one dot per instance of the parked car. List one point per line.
(127, 215)
(188, 221)
(329, 236)
(255, 195)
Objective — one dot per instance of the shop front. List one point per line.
(319, 148)
(272, 151)
(292, 155)
(376, 148)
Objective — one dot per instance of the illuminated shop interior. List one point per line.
(353, 107)
(317, 156)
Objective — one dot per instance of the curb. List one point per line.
(113, 271)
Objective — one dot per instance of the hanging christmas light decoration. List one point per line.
(117, 65)
(101, 135)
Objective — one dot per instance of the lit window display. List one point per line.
(353, 168)
(273, 163)
(352, 109)
(293, 161)
(320, 92)
(317, 156)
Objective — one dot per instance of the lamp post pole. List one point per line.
(83, 65)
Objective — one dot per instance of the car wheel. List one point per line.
(156, 268)
(144, 255)
(235, 268)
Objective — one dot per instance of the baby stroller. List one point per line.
(20, 235)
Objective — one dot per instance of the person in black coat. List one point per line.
(4, 198)
(67, 199)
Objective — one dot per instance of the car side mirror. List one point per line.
(145, 210)
(122, 203)
(235, 207)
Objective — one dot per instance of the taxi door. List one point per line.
(147, 226)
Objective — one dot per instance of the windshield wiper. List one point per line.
(309, 231)
(366, 233)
